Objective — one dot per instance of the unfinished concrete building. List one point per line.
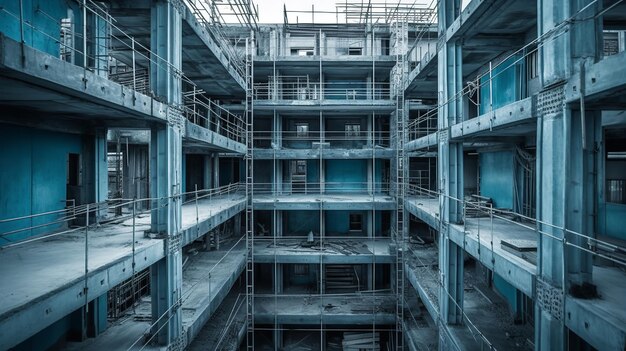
(406, 176)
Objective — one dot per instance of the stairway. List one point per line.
(341, 278)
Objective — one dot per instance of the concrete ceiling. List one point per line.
(199, 63)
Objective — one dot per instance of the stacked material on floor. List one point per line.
(477, 206)
(359, 341)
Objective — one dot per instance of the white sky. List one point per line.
(271, 11)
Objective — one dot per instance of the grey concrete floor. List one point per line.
(123, 332)
(34, 270)
(430, 205)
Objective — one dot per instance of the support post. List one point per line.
(451, 170)
(166, 169)
(564, 184)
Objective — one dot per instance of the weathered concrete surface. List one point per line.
(514, 119)
(325, 105)
(46, 83)
(326, 201)
(424, 208)
(56, 266)
(326, 153)
(200, 300)
(200, 137)
(601, 321)
(348, 309)
(290, 251)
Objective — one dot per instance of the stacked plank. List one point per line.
(360, 341)
(477, 206)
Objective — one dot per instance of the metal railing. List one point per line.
(57, 222)
(202, 111)
(211, 22)
(423, 125)
(324, 139)
(317, 91)
(434, 277)
(568, 238)
(98, 241)
(123, 59)
(328, 188)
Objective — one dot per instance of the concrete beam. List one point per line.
(80, 94)
(191, 232)
(312, 154)
(197, 136)
(491, 123)
(327, 202)
(604, 79)
(20, 323)
(428, 141)
(200, 308)
(325, 105)
(338, 310)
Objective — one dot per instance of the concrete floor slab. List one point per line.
(55, 267)
(349, 309)
(202, 294)
(601, 321)
(424, 208)
(326, 153)
(344, 251)
(482, 237)
(326, 201)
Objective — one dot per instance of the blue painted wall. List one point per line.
(507, 80)
(301, 222)
(378, 177)
(33, 176)
(338, 222)
(44, 16)
(345, 89)
(612, 220)
(351, 172)
(496, 172)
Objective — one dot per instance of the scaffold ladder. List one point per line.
(401, 28)
(249, 112)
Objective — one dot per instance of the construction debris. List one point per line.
(354, 341)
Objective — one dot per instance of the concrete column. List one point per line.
(98, 44)
(216, 171)
(278, 278)
(278, 176)
(277, 128)
(166, 172)
(237, 224)
(370, 177)
(369, 223)
(278, 337)
(451, 169)
(101, 180)
(565, 164)
(277, 228)
(207, 164)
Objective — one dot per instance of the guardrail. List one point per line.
(348, 139)
(121, 58)
(304, 187)
(318, 91)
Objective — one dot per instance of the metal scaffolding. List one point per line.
(249, 158)
(400, 32)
